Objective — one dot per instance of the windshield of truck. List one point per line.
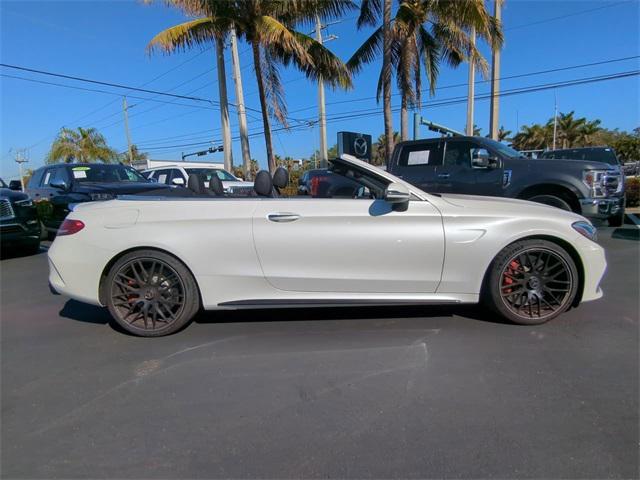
(106, 174)
(2, 184)
(503, 149)
(605, 155)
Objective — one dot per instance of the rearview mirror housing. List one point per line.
(178, 181)
(480, 158)
(60, 185)
(397, 193)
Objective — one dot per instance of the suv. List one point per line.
(178, 175)
(481, 166)
(71, 183)
(19, 225)
(320, 182)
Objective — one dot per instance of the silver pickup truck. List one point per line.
(480, 166)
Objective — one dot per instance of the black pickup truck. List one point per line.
(480, 166)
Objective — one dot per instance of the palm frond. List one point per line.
(273, 86)
(370, 13)
(367, 52)
(186, 35)
(272, 32)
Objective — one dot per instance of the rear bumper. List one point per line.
(601, 207)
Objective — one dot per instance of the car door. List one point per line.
(417, 163)
(458, 175)
(349, 245)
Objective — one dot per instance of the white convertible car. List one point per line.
(370, 239)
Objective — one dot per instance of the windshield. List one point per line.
(106, 174)
(207, 172)
(2, 184)
(502, 148)
(606, 155)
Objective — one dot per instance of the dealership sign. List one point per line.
(356, 144)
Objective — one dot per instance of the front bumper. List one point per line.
(15, 231)
(601, 207)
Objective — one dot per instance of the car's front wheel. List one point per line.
(150, 293)
(531, 281)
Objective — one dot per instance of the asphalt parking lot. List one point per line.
(340, 393)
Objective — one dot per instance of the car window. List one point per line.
(420, 155)
(345, 181)
(162, 175)
(457, 154)
(36, 178)
(48, 176)
(103, 173)
(177, 173)
(207, 172)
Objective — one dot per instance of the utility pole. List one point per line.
(555, 119)
(324, 154)
(20, 159)
(242, 116)
(125, 111)
(471, 90)
(495, 79)
(224, 106)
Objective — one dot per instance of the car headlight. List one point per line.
(27, 202)
(586, 229)
(602, 183)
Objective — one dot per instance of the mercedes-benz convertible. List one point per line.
(368, 239)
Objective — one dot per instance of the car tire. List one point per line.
(151, 293)
(552, 201)
(531, 282)
(31, 248)
(617, 220)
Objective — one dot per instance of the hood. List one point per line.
(577, 164)
(124, 188)
(13, 195)
(503, 207)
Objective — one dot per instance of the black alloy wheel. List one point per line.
(151, 293)
(532, 282)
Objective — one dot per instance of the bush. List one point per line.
(632, 187)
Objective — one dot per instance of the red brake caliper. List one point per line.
(509, 272)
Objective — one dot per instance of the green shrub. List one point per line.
(632, 187)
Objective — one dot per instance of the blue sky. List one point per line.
(106, 41)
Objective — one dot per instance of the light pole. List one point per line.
(125, 111)
(495, 79)
(20, 159)
(322, 116)
(471, 89)
(242, 116)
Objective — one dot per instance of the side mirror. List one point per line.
(397, 193)
(60, 185)
(15, 185)
(178, 181)
(480, 158)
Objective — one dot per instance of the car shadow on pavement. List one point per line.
(7, 253)
(82, 312)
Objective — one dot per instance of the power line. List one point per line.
(566, 16)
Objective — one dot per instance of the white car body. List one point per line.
(337, 251)
(168, 174)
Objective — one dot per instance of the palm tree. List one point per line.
(199, 31)
(569, 128)
(532, 137)
(379, 156)
(588, 132)
(81, 145)
(136, 156)
(503, 134)
(268, 27)
(424, 33)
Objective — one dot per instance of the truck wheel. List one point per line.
(531, 281)
(552, 201)
(151, 294)
(618, 219)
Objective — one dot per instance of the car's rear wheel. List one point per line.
(150, 293)
(617, 220)
(531, 282)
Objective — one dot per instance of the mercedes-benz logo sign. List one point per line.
(360, 146)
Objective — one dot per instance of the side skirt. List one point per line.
(299, 303)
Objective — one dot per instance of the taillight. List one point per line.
(69, 227)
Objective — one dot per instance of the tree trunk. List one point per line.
(404, 119)
(224, 107)
(386, 80)
(242, 116)
(255, 47)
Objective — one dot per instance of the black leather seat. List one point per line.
(215, 186)
(195, 183)
(263, 185)
(280, 179)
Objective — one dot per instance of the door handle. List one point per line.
(283, 217)
(443, 175)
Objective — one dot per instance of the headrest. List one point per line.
(195, 183)
(263, 184)
(280, 177)
(215, 186)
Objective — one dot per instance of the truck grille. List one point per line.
(6, 210)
